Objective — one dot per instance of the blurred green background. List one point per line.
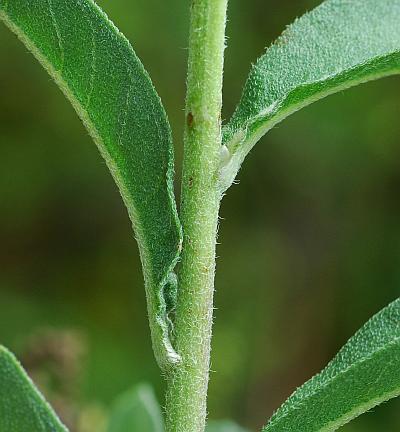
(310, 238)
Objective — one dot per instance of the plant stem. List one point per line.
(186, 407)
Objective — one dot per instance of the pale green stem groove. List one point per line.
(188, 382)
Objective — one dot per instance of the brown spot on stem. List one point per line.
(190, 182)
(190, 119)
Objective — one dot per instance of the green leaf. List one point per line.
(136, 410)
(22, 407)
(365, 373)
(223, 426)
(98, 71)
(339, 44)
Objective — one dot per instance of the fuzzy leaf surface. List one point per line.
(98, 71)
(339, 44)
(365, 373)
(22, 407)
(136, 410)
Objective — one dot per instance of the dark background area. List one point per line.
(310, 238)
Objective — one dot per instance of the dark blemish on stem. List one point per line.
(190, 119)
(190, 182)
(180, 245)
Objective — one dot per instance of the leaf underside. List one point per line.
(22, 407)
(365, 373)
(136, 410)
(98, 71)
(339, 44)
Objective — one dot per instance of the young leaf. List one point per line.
(98, 71)
(136, 410)
(22, 407)
(339, 44)
(223, 426)
(365, 373)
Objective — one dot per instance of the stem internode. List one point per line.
(186, 408)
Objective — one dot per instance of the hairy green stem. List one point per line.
(186, 407)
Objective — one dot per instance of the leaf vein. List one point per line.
(58, 33)
(124, 115)
(93, 72)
